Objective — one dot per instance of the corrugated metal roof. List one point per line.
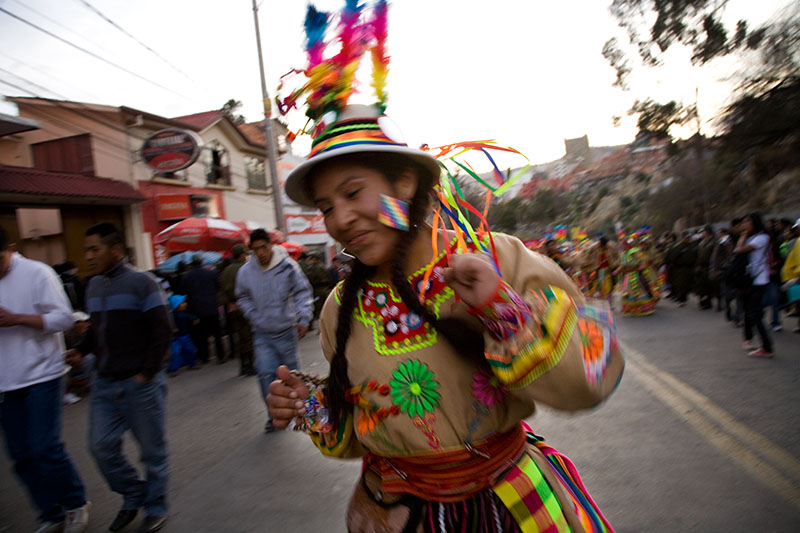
(34, 181)
(200, 120)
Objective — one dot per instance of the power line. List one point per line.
(47, 74)
(57, 23)
(89, 52)
(120, 28)
(89, 117)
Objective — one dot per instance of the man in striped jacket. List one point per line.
(130, 336)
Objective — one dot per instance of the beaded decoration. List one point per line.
(315, 418)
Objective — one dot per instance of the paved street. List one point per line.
(697, 438)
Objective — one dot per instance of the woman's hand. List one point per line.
(285, 398)
(473, 278)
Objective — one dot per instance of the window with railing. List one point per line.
(256, 173)
(217, 163)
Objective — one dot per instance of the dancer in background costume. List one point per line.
(638, 292)
(651, 265)
(440, 340)
(606, 261)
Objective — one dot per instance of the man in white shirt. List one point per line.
(34, 311)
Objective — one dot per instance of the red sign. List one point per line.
(303, 224)
(173, 206)
(171, 149)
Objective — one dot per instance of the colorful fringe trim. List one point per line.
(483, 513)
(589, 513)
(537, 348)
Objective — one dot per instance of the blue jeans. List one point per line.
(183, 353)
(754, 314)
(141, 407)
(31, 421)
(272, 351)
(772, 294)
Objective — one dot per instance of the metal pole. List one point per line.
(277, 195)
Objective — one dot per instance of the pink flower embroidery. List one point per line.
(487, 389)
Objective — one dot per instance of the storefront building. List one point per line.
(228, 179)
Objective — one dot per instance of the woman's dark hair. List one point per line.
(758, 223)
(465, 339)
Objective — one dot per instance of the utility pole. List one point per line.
(272, 153)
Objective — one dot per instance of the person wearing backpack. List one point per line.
(754, 244)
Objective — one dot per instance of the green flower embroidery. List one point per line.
(414, 389)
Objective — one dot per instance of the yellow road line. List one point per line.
(776, 454)
(686, 409)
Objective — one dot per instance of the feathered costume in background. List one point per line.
(332, 81)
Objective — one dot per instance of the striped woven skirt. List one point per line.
(541, 493)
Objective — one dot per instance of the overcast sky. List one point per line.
(527, 73)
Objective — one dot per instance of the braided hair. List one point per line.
(464, 338)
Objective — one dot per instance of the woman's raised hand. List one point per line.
(285, 398)
(473, 278)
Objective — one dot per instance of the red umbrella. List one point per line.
(201, 234)
(294, 248)
(275, 236)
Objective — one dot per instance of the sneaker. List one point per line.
(50, 527)
(151, 524)
(777, 327)
(761, 352)
(77, 520)
(70, 398)
(123, 518)
(749, 346)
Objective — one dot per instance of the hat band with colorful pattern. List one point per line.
(357, 132)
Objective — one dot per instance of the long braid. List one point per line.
(338, 380)
(464, 339)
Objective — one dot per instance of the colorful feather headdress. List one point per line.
(331, 81)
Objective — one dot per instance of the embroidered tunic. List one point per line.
(420, 405)
(543, 343)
